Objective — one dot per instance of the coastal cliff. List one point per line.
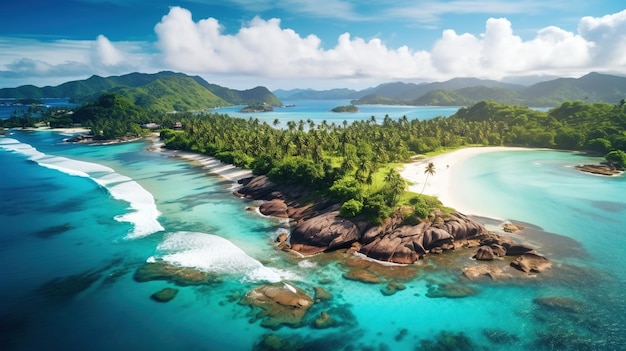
(319, 228)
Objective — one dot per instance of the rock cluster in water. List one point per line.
(319, 228)
(279, 304)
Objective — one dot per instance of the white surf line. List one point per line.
(212, 253)
(144, 215)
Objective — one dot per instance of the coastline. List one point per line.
(439, 184)
(208, 163)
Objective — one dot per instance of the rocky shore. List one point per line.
(317, 228)
(600, 169)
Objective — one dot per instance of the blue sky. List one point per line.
(310, 43)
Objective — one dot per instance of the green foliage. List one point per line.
(351, 208)
(618, 158)
(345, 108)
(376, 209)
(345, 189)
(174, 93)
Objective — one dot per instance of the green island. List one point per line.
(346, 108)
(340, 181)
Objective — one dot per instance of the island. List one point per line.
(257, 108)
(345, 108)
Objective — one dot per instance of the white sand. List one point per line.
(208, 163)
(72, 130)
(439, 183)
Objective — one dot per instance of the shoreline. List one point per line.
(439, 184)
(207, 163)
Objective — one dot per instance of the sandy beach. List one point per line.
(439, 183)
(208, 163)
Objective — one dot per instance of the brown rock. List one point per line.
(435, 237)
(484, 253)
(327, 230)
(531, 262)
(324, 321)
(362, 275)
(280, 304)
(511, 228)
(392, 288)
(182, 276)
(498, 250)
(164, 295)
(322, 294)
(274, 208)
(482, 270)
(257, 188)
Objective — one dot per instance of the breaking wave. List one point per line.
(144, 214)
(212, 253)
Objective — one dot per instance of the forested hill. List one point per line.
(163, 91)
(593, 87)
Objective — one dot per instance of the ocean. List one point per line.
(79, 220)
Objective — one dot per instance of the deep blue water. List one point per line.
(69, 250)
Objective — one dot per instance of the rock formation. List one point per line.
(319, 227)
(280, 304)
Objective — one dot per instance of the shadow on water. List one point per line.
(53, 231)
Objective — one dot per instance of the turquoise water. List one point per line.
(76, 223)
(319, 111)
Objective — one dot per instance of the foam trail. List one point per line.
(144, 213)
(215, 254)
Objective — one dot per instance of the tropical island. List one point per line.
(346, 108)
(340, 184)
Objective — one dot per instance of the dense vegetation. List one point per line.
(163, 91)
(350, 162)
(593, 87)
(354, 163)
(346, 108)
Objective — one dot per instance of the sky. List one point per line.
(320, 44)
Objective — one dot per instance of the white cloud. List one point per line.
(30, 61)
(107, 53)
(264, 49)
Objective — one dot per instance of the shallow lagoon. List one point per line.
(68, 281)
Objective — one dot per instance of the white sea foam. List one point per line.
(215, 254)
(144, 213)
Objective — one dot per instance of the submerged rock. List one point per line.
(531, 262)
(280, 304)
(451, 290)
(500, 336)
(392, 288)
(178, 275)
(559, 303)
(362, 275)
(65, 288)
(164, 295)
(324, 321)
(321, 294)
(476, 271)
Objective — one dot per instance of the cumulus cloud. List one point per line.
(107, 53)
(264, 48)
(264, 51)
(37, 62)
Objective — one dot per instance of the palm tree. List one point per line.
(429, 170)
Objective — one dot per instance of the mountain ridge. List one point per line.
(162, 91)
(592, 87)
